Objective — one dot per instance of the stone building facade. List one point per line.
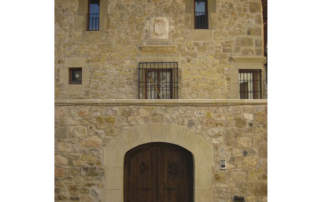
(101, 115)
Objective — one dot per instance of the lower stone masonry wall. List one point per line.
(238, 134)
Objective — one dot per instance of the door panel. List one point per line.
(175, 176)
(158, 172)
(140, 178)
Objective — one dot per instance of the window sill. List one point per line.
(252, 59)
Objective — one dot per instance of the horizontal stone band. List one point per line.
(162, 102)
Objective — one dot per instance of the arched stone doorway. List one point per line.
(158, 172)
(125, 140)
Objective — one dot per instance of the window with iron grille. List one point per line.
(201, 14)
(158, 80)
(94, 15)
(250, 84)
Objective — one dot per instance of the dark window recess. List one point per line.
(158, 80)
(201, 14)
(75, 75)
(250, 84)
(222, 164)
(94, 15)
(238, 199)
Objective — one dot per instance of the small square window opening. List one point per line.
(222, 164)
(75, 75)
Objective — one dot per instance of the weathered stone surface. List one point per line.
(254, 7)
(60, 160)
(60, 172)
(79, 131)
(63, 147)
(157, 49)
(240, 123)
(245, 42)
(92, 142)
(158, 30)
(259, 189)
(226, 128)
(60, 133)
(133, 31)
(254, 31)
(91, 171)
(248, 116)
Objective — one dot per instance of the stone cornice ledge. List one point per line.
(169, 102)
(249, 59)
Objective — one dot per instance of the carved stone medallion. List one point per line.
(159, 28)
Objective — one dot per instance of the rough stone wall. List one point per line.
(237, 134)
(109, 57)
(133, 31)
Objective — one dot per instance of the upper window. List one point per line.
(158, 80)
(93, 16)
(250, 84)
(201, 14)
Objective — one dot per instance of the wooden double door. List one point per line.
(158, 172)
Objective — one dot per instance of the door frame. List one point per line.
(201, 149)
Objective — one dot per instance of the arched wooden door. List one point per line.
(158, 172)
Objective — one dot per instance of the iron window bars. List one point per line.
(201, 14)
(158, 80)
(250, 84)
(94, 15)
